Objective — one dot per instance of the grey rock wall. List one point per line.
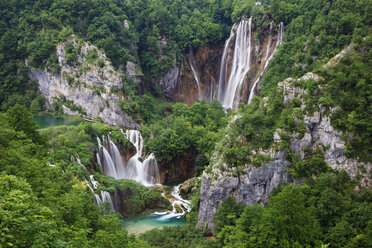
(87, 86)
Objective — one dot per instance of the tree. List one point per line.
(23, 221)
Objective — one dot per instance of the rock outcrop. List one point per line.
(254, 183)
(88, 86)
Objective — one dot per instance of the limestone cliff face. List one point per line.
(179, 83)
(205, 61)
(88, 88)
(255, 183)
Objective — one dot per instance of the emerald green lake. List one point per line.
(145, 222)
(45, 121)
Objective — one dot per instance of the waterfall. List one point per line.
(223, 68)
(196, 79)
(88, 185)
(99, 160)
(116, 158)
(79, 162)
(278, 42)
(184, 204)
(94, 182)
(211, 92)
(151, 170)
(98, 200)
(108, 165)
(146, 172)
(105, 196)
(229, 93)
(177, 202)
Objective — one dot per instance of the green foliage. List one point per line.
(135, 197)
(24, 221)
(21, 120)
(326, 209)
(349, 91)
(189, 129)
(178, 237)
(311, 165)
(314, 32)
(227, 214)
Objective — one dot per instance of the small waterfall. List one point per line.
(184, 204)
(278, 42)
(116, 158)
(79, 162)
(98, 160)
(211, 92)
(177, 202)
(88, 185)
(94, 182)
(230, 93)
(108, 165)
(197, 80)
(105, 196)
(98, 200)
(146, 172)
(151, 170)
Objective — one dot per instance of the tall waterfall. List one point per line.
(223, 68)
(229, 92)
(144, 171)
(231, 80)
(278, 42)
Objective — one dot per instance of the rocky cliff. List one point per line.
(254, 183)
(87, 84)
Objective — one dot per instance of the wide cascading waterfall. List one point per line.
(116, 158)
(146, 172)
(278, 42)
(240, 66)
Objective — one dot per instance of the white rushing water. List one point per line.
(116, 158)
(196, 77)
(229, 89)
(278, 42)
(144, 171)
(105, 196)
(178, 203)
(230, 82)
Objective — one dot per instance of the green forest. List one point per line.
(46, 197)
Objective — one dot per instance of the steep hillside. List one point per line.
(286, 137)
